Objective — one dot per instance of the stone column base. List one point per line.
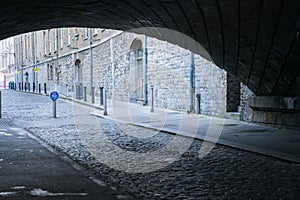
(277, 111)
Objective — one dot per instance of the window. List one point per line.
(55, 39)
(45, 42)
(139, 54)
(26, 50)
(61, 38)
(96, 30)
(49, 42)
(86, 33)
(69, 36)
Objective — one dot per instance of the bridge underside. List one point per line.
(255, 40)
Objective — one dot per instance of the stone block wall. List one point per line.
(233, 93)
(246, 113)
(168, 71)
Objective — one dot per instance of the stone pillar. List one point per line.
(277, 111)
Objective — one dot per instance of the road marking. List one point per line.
(8, 193)
(43, 193)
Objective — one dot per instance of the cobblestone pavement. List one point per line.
(225, 173)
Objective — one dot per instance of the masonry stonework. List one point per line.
(118, 66)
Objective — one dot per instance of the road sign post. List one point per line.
(54, 96)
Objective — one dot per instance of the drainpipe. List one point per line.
(91, 60)
(112, 69)
(33, 56)
(21, 61)
(36, 57)
(145, 84)
(192, 83)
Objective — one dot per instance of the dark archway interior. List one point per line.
(254, 40)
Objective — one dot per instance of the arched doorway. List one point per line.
(137, 71)
(78, 71)
(78, 79)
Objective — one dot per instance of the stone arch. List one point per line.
(264, 59)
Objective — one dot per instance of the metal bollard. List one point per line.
(25, 87)
(29, 87)
(22, 86)
(101, 96)
(152, 99)
(0, 105)
(15, 86)
(93, 94)
(198, 96)
(54, 109)
(84, 93)
(33, 87)
(105, 103)
(39, 88)
(19, 86)
(45, 88)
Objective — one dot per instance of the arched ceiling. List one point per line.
(255, 40)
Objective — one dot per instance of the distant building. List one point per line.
(7, 59)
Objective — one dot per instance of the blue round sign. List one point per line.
(54, 95)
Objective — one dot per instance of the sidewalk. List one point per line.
(278, 143)
(29, 170)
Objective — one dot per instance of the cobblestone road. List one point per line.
(225, 173)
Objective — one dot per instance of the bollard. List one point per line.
(105, 103)
(22, 86)
(39, 88)
(33, 87)
(25, 87)
(93, 94)
(152, 99)
(0, 105)
(84, 93)
(45, 88)
(28, 87)
(198, 96)
(15, 88)
(101, 96)
(54, 109)
(19, 86)
(54, 97)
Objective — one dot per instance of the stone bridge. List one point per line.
(255, 40)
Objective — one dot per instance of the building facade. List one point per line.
(127, 65)
(7, 59)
